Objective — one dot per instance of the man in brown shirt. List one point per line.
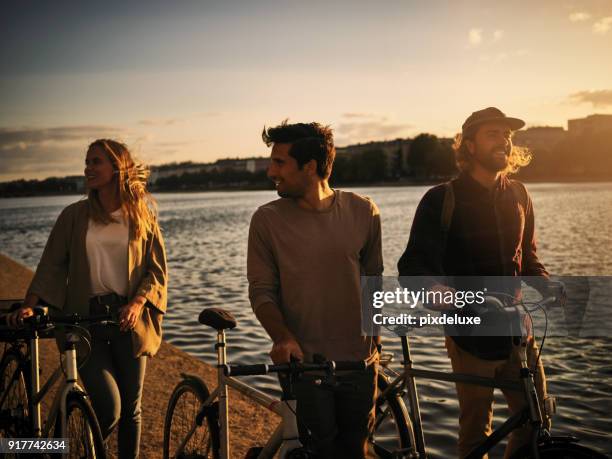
(307, 251)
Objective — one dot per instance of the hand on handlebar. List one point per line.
(15, 319)
(283, 350)
(557, 289)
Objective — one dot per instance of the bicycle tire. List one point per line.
(555, 449)
(82, 428)
(14, 395)
(392, 434)
(184, 406)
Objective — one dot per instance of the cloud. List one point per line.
(579, 16)
(478, 37)
(160, 122)
(26, 137)
(372, 128)
(43, 152)
(475, 36)
(597, 98)
(603, 25)
(40, 161)
(359, 115)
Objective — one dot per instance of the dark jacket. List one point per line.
(491, 234)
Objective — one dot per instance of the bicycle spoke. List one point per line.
(184, 415)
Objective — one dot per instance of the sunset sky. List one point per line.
(198, 81)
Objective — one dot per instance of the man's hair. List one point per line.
(519, 156)
(308, 141)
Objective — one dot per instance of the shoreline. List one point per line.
(250, 424)
(387, 184)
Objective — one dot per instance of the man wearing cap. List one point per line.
(490, 233)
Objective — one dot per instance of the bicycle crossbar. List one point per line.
(464, 378)
(256, 395)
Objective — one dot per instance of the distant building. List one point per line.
(592, 124)
(255, 165)
(252, 165)
(171, 170)
(395, 151)
(227, 164)
(540, 138)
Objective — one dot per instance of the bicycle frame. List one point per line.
(531, 413)
(59, 402)
(282, 440)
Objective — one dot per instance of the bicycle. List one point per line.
(71, 415)
(196, 423)
(542, 444)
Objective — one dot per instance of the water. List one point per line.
(206, 236)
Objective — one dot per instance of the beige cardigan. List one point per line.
(62, 276)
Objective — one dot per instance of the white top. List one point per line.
(107, 253)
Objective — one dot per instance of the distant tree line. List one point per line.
(582, 157)
(214, 180)
(50, 186)
(430, 159)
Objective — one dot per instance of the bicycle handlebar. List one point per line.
(293, 368)
(42, 319)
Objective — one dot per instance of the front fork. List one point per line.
(533, 405)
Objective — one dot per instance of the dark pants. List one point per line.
(335, 421)
(114, 379)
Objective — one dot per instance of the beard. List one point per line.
(293, 192)
(493, 160)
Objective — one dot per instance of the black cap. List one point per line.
(490, 114)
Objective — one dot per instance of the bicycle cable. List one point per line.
(538, 305)
(84, 339)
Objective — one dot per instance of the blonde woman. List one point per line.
(107, 251)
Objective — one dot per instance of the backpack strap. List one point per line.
(448, 208)
(520, 193)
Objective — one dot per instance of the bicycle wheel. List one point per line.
(82, 429)
(392, 433)
(14, 398)
(184, 408)
(560, 450)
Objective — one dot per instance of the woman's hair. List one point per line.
(519, 156)
(137, 204)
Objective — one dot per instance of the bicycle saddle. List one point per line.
(217, 318)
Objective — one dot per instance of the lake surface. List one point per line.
(206, 237)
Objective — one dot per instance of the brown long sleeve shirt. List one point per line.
(309, 263)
